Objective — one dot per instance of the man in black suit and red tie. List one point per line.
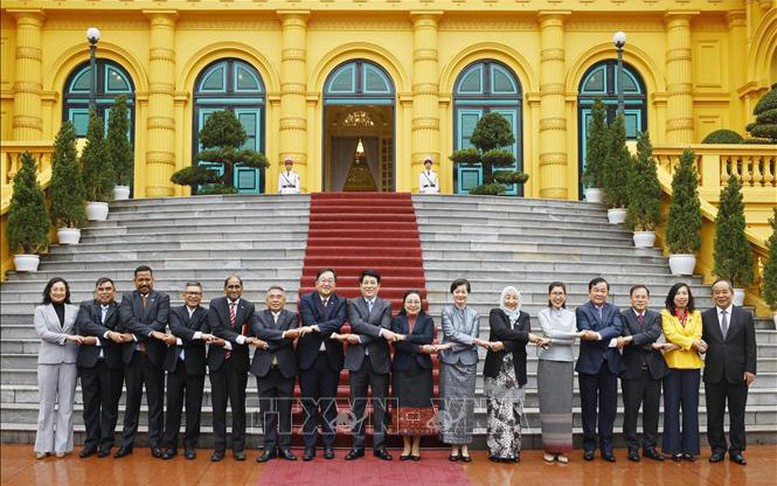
(185, 365)
(729, 369)
(144, 313)
(320, 361)
(644, 368)
(100, 367)
(275, 368)
(229, 318)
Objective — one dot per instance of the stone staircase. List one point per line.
(493, 242)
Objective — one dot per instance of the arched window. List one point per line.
(600, 81)
(234, 85)
(112, 81)
(483, 87)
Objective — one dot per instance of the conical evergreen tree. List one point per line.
(118, 145)
(764, 128)
(596, 147)
(683, 226)
(770, 266)
(28, 221)
(67, 184)
(644, 212)
(99, 177)
(617, 165)
(733, 258)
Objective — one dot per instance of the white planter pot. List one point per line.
(26, 263)
(774, 318)
(121, 193)
(594, 194)
(68, 236)
(682, 263)
(739, 297)
(644, 239)
(96, 211)
(616, 215)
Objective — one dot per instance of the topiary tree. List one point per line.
(222, 139)
(28, 221)
(200, 176)
(596, 147)
(118, 145)
(765, 125)
(99, 176)
(617, 165)
(644, 210)
(67, 190)
(723, 135)
(492, 132)
(770, 266)
(683, 226)
(733, 258)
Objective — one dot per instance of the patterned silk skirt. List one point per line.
(457, 404)
(554, 382)
(505, 411)
(413, 413)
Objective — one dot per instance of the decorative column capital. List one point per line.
(550, 18)
(29, 16)
(294, 17)
(425, 18)
(161, 17)
(680, 17)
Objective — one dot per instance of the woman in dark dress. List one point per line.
(412, 375)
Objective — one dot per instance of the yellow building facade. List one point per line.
(408, 78)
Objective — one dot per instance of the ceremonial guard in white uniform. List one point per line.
(288, 180)
(427, 180)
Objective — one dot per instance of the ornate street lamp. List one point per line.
(620, 40)
(93, 36)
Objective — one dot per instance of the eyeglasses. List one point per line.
(326, 280)
(192, 294)
(557, 294)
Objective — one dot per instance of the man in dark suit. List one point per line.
(275, 367)
(597, 367)
(367, 360)
(185, 365)
(644, 368)
(100, 367)
(229, 318)
(320, 361)
(729, 369)
(144, 313)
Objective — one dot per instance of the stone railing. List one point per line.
(10, 154)
(756, 167)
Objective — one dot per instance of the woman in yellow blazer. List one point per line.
(681, 323)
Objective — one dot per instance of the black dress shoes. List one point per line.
(309, 454)
(738, 458)
(652, 454)
(633, 455)
(266, 455)
(588, 455)
(169, 454)
(239, 455)
(382, 454)
(87, 451)
(689, 457)
(609, 457)
(286, 454)
(123, 451)
(354, 454)
(716, 456)
(190, 454)
(329, 453)
(104, 452)
(217, 456)
(156, 452)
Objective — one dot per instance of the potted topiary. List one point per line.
(770, 269)
(491, 133)
(616, 171)
(119, 148)
(595, 154)
(99, 177)
(733, 257)
(683, 227)
(198, 176)
(28, 221)
(723, 135)
(644, 211)
(764, 128)
(67, 187)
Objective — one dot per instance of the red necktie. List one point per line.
(232, 319)
(641, 320)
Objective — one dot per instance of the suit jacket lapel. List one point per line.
(52, 317)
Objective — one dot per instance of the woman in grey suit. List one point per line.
(55, 324)
(458, 367)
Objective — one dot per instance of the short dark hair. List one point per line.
(143, 268)
(673, 291)
(637, 287)
(404, 297)
(103, 280)
(230, 277)
(324, 270)
(369, 273)
(716, 282)
(459, 282)
(593, 283)
(193, 284)
(552, 286)
(275, 287)
(47, 290)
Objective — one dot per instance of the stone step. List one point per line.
(268, 234)
(425, 201)
(201, 266)
(214, 246)
(236, 201)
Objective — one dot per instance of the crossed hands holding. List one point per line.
(350, 338)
